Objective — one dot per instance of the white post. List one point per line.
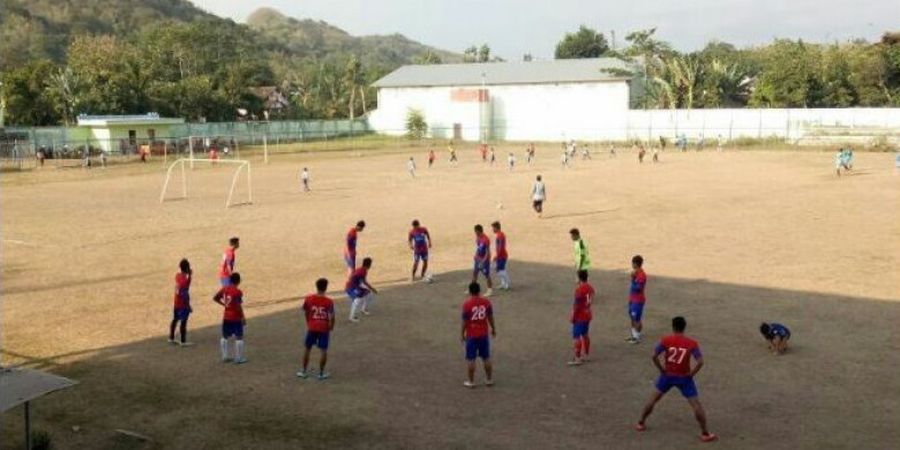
(249, 185)
(265, 149)
(183, 182)
(191, 149)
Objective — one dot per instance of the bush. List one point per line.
(416, 127)
(40, 440)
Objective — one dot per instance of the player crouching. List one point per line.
(777, 336)
(359, 290)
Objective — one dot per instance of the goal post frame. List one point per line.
(234, 179)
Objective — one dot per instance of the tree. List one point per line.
(416, 127)
(24, 94)
(470, 54)
(789, 76)
(527, 57)
(66, 88)
(584, 43)
(428, 58)
(484, 53)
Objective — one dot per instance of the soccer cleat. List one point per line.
(366, 312)
(354, 319)
(302, 374)
(640, 427)
(227, 360)
(708, 437)
(575, 362)
(172, 342)
(186, 344)
(489, 292)
(324, 376)
(633, 340)
(468, 384)
(241, 361)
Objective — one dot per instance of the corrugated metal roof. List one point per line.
(532, 72)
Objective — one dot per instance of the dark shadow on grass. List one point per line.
(397, 375)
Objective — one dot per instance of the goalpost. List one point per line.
(242, 164)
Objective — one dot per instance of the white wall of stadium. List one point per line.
(599, 111)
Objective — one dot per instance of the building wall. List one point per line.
(542, 112)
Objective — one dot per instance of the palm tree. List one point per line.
(67, 87)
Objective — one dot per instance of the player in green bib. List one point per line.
(582, 259)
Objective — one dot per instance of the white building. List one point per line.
(582, 99)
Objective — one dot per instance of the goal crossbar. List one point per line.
(242, 164)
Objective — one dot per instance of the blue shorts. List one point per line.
(580, 329)
(350, 260)
(684, 384)
(359, 292)
(235, 329)
(483, 268)
(636, 311)
(225, 281)
(420, 256)
(181, 313)
(317, 338)
(478, 348)
(501, 265)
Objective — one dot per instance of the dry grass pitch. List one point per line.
(729, 239)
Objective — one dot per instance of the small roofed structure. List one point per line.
(21, 386)
(122, 133)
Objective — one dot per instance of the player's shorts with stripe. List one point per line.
(479, 347)
(358, 292)
(232, 328)
(482, 267)
(580, 329)
(420, 255)
(501, 264)
(317, 338)
(684, 384)
(635, 311)
(181, 313)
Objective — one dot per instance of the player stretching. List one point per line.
(677, 349)
(319, 311)
(182, 309)
(477, 316)
(411, 167)
(228, 259)
(582, 259)
(350, 247)
(482, 259)
(502, 256)
(538, 195)
(233, 320)
(419, 242)
(581, 319)
(636, 298)
(359, 290)
(304, 178)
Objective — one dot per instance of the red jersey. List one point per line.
(638, 283)
(500, 242)
(419, 237)
(182, 288)
(227, 263)
(475, 313)
(232, 298)
(679, 349)
(482, 248)
(350, 249)
(581, 308)
(319, 310)
(356, 278)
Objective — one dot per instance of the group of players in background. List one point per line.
(671, 356)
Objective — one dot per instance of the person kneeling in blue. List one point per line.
(777, 335)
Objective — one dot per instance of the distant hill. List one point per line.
(307, 37)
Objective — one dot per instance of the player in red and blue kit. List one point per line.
(419, 242)
(636, 298)
(227, 267)
(482, 259)
(182, 309)
(677, 350)
(233, 320)
(319, 311)
(359, 290)
(581, 319)
(502, 256)
(477, 321)
(350, 245)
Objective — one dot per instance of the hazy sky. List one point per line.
(513, 28)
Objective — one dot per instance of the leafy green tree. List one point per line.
(789, 78)
(25, 95)
(584, 43)
(428, 58)
(470, 54)
(484, 53)
(66, 89)
(416, 127)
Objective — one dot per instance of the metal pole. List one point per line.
(28, 426)
(265, 148)
(191, 150)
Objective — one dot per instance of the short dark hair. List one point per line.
(637, 260)
(583, 275)
(474, 288)
(322, 284)
(496, 225)
(367, 262)
(575, 232)
(479, 228)
(184, 265)
(415, 223)
(765, 330)
(361, 224)
(234, 240)
(235, 278)
(679, 324)
(539, 178)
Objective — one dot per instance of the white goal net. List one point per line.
(241, 166)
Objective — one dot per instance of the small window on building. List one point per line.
(132, 137)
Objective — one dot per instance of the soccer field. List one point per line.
(729, 240)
